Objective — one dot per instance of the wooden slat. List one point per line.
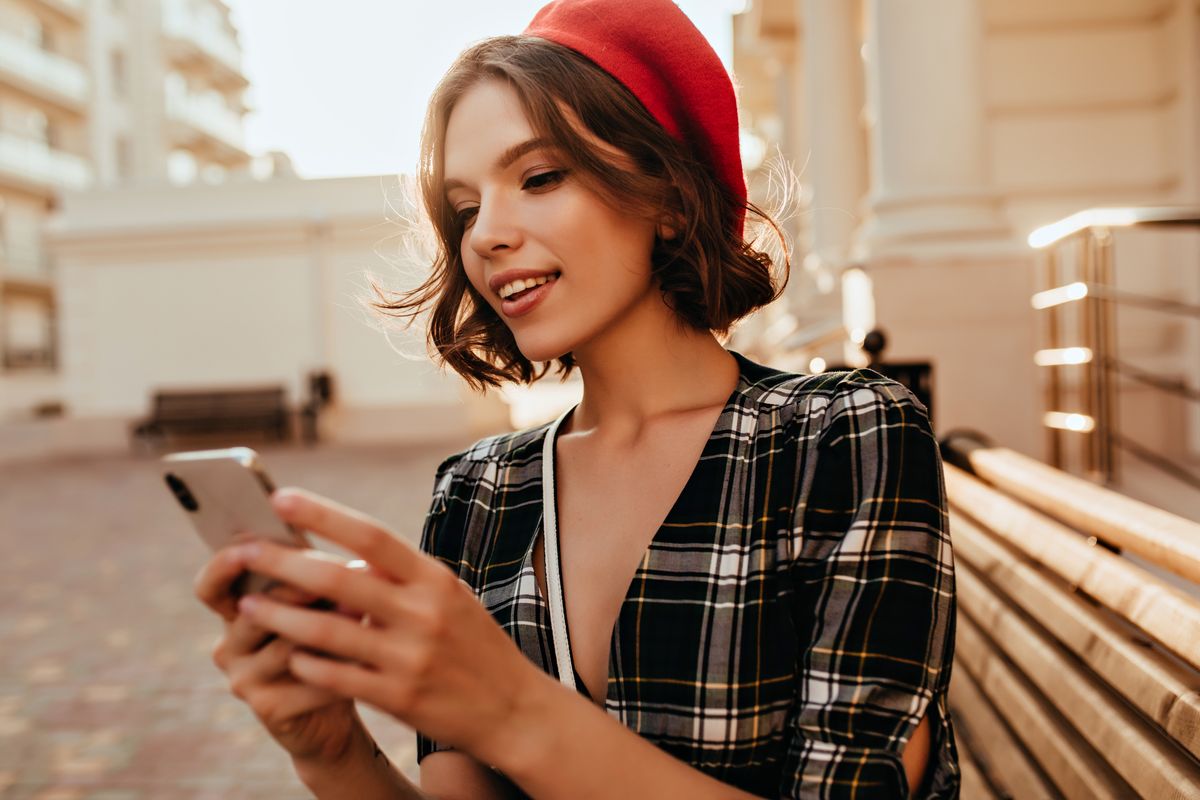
(1164, 690)
(1163, 538)
(1001, 758)
(1163, 612)
(1079, 772)
(1147, 760)
(973, 786)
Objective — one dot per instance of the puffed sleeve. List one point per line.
(873, 579)
(436, 545)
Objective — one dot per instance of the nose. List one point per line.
(494, 229)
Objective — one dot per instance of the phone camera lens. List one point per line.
(181, 492)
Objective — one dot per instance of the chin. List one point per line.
(543, 353)
(543, 350)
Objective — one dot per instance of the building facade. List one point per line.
(239, 284)
(932, 138)
(96, 94)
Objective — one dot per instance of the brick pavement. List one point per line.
(107, 690)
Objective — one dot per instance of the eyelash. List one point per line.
(556, 177)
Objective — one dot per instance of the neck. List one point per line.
(648, 369)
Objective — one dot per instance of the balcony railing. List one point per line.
(183, 21)
(1079, 277)
(25, 263)
(36, 162)
(43, 73)
(208, 114)
(70, 8)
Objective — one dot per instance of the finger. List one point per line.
(212, 583)
(343, 678)
(291, 595)
(351, 529)
(278, 702)
(263, 666)
(324, 576)
(329, 633)
(244, 636)
(358, 565)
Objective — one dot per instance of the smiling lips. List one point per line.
(517, 286)
(526, 294)
(502, 279)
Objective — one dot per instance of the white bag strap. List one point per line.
(558, 613)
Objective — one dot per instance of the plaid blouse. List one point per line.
(795, 609)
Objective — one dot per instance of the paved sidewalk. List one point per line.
(107, 690)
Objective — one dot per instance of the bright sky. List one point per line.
(341, 86)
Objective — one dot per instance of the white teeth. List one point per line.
(509, 289)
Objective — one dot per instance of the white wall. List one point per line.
(244, 283)
(1082, 99)
(1084, 103)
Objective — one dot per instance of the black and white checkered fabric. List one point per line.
(792, 620)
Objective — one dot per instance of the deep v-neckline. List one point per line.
(555, 602)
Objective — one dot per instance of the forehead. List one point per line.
(489, 118)
(485, 121)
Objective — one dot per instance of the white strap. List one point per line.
(558, 614)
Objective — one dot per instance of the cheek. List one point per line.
(473, 268)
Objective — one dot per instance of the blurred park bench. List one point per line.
(191, 412)
(233, 411)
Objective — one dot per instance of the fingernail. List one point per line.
(245, 552)
(285, 499)
(248, 603)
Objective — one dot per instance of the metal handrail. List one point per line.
(1081, 289)
(1090, 232)
(1095, 218)
(1178, 388)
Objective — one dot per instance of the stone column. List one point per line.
(930, 184)
(835, 170)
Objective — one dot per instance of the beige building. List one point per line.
(244, 283)
(144, 249)
(93, 94)
(931, 139)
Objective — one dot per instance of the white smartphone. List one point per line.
(225, 493)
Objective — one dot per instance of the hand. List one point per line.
(432, 656)
(311, 723)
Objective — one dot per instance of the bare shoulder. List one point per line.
(451, 775)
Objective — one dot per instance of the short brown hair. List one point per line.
(708, 274)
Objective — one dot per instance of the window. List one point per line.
(120, 87)
(44, 37)
(124, 158)
(38, 126)
(27, 337)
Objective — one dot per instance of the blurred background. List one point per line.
(995, 201)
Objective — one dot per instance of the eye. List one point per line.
(545, 179)
(465, 215)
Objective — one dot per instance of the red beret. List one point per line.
(655, 51)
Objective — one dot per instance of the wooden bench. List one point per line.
(233, 410)
(1077, 667)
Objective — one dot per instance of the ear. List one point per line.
(668, 226)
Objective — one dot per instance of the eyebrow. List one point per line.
(505, 160)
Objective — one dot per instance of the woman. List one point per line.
(761, 589)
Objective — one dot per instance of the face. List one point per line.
(525, 212)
